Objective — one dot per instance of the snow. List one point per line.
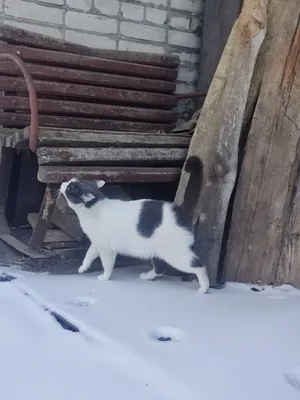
(141, 340)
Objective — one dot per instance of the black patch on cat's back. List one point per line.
(180, 217)
(150, 218)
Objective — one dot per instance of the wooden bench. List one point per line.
(102, 115)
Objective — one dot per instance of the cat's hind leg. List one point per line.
(108, 258)
(90, 256)
(159, 268)
(188, 262)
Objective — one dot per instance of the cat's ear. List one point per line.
(87, 197)
(100, 184)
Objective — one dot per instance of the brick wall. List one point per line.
(158, 26)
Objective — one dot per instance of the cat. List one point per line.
(146, 229)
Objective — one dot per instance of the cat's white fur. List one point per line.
(111, 226)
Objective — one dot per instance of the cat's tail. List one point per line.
(194, 166)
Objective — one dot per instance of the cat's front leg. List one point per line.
(108, 258)
(90, 256)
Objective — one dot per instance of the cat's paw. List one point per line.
(103, 277)
(147, 276)
(82, 269)
(203, 290)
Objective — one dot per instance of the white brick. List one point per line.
(45, 30)
(190, 58)
(161, 3)
(184, 39)
(90, 22)
(55, 2)
(180, 22)
(83, 5)
(150, 33)
(107, 7)
(143, 47)
(100, 42)
(23, 9)
(196, 23)
(132, 11)
(187, 75)
(185, 88)
(156, 16)
(193, 6)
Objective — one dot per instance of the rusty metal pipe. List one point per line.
(189, 95)
(34, 124)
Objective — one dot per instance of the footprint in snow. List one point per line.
(293, 378)
(81, 301)
(166, 334)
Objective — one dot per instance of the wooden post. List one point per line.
(217, 133)
(218, 20)
(44, 219)
(263, 243)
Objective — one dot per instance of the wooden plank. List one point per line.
(49, 72)
(67, 222)
(217, 133)
(261, 246)
(69, 155)
(44, 220)
(80, 108)
(59, 174)
(20, 36)
(119, 96)
(52, 235)
(6, 161)
(21, 120)
(218, 20)
(58, 137)
(89, 63)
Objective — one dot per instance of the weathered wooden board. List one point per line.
(81, 108)
(134, 156)
(89, 63)
(43, 220)
(219, 17)
(85, 93)
(217, 133)
(59, 137)
(262, 246)
(20, 36)
(52, 235)
(58, 174)
(89, 77)
(21, 120)
(67, 222)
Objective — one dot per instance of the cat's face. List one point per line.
(82, 192)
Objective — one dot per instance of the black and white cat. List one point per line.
(147, 229)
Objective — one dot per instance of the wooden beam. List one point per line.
(263, 242)
(14, 35)
(48, 72)
(131, 156)
(218, 19)
(217, 133)
(85, 93)
(44, 220)
(94, 109)
(59, 174)
(60, 137)
(22, 120)
(52, 235)
(89, 63)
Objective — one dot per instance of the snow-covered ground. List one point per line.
(232, 344)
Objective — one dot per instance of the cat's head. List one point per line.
(82, 192)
